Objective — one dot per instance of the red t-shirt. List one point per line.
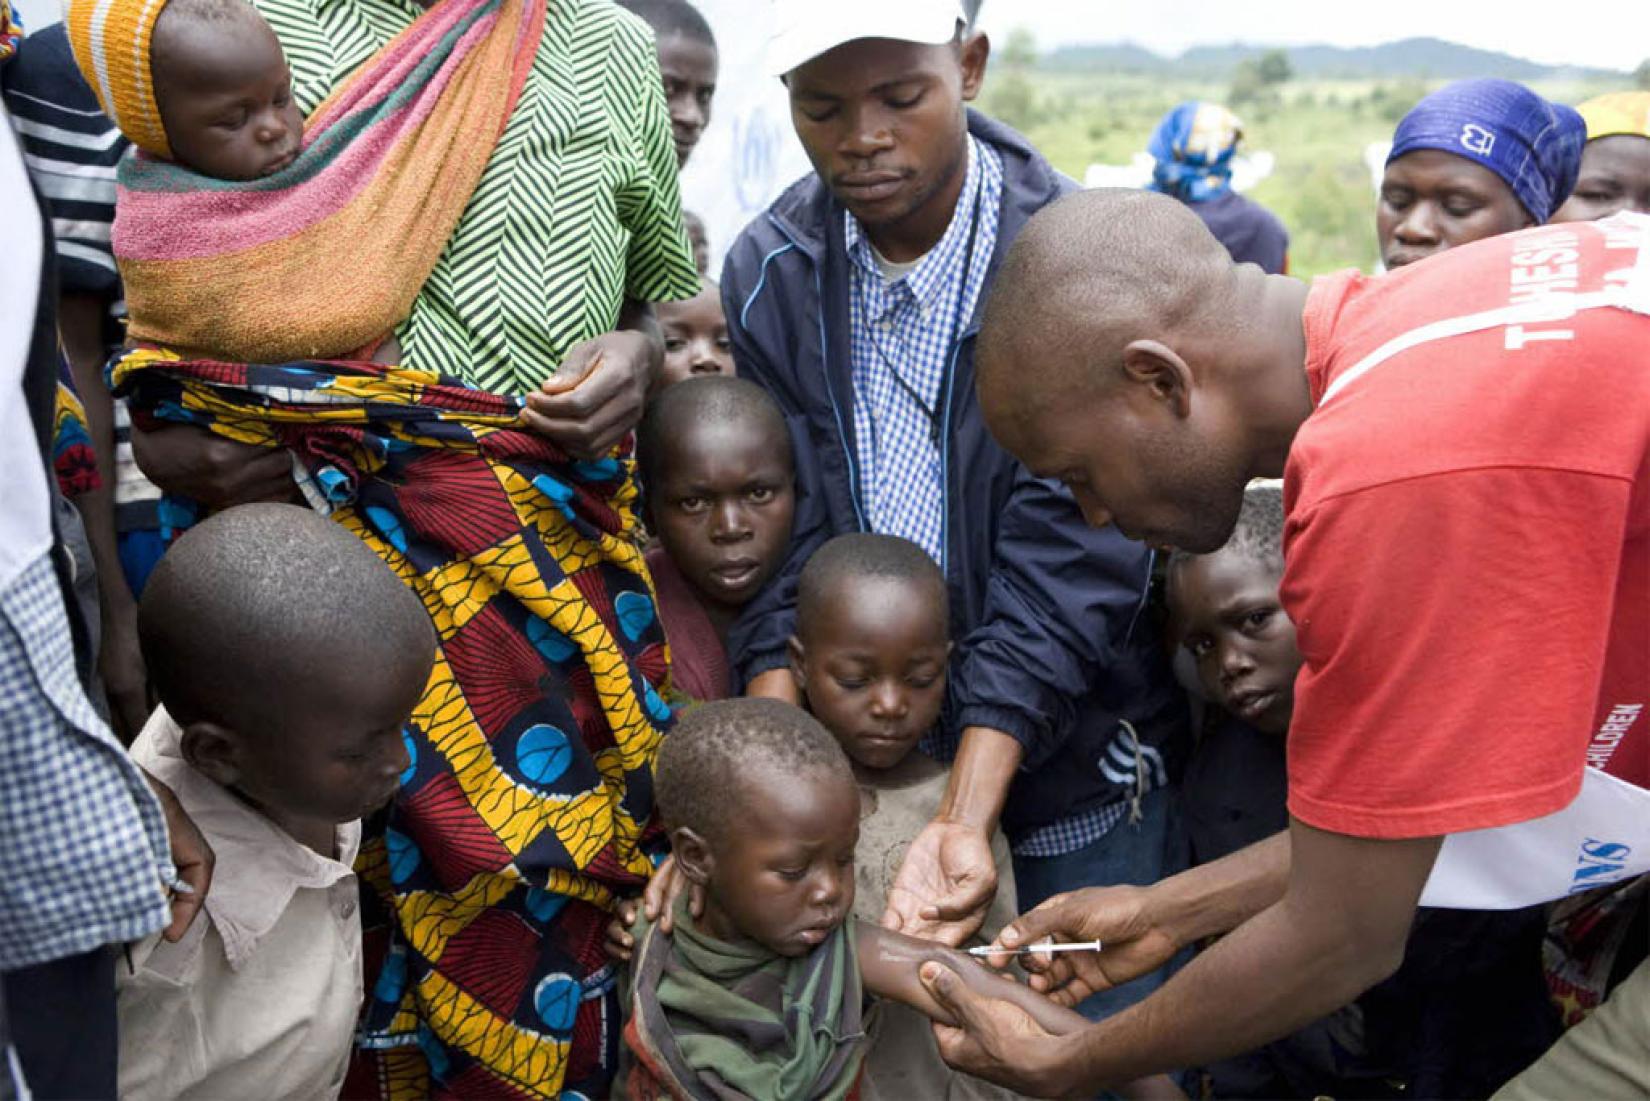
(1468, 538)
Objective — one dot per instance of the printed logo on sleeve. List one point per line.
(1476, 139)
(1611, 732)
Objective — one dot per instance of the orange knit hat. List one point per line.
(111, 41)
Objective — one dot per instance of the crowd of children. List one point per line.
(912, 621)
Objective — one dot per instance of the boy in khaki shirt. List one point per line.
(287, 658)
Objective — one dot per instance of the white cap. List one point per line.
(804, 29)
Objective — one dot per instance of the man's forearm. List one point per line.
(1217, 897)
(1259, 983)
(980, 776)
(1339, 928)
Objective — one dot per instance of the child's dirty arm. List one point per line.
(888, 965)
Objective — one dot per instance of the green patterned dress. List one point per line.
(577, 210)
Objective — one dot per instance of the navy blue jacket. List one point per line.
(1053, 646)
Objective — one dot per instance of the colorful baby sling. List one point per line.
(530, 788)
(326, 256)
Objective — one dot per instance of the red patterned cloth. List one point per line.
(530, 793)
(698, 657)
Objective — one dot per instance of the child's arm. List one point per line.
(888, 966)
(889, 962)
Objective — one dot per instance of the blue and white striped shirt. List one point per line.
(906, 330)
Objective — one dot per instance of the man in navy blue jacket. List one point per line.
(854, 301)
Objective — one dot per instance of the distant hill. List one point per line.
(1417, 57)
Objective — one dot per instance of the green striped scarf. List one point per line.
(729, 1021)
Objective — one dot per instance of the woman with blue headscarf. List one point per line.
(1475, 159)
(1193, 147)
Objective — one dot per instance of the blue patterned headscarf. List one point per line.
(1193, 148)
(1534, 145)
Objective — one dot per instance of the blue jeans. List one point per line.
(1141, 853)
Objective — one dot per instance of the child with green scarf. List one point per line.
(762, 995)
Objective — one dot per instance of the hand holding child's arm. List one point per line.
(658, 902)
(890, 962)
(927, 976)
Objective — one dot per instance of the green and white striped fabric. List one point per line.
(577, 210)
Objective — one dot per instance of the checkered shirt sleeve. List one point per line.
(907, 324)
(84, 858)
(1070, 834)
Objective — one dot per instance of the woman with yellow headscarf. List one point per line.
(1615, 164)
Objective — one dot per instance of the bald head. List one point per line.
(254, 606)
(1123, 353)
(1087, 276)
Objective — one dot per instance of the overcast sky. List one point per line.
(1613, 34)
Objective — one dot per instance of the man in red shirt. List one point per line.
(1466, 452)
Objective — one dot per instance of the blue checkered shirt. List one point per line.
(84, 860)
(911, 325)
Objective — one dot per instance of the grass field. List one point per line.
(1317, 130)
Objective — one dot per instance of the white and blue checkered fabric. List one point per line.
(83, 853)
(1070, 834)
(910, 325)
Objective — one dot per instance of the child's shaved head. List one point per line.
(1225, 611)
(864, 556)
(717, 749)
(705, 401)
(256, 605)
(872, 644)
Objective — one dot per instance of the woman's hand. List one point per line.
(667, 885)
(191, 462)
(596, 396)
(620, 944)
(658, 902)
